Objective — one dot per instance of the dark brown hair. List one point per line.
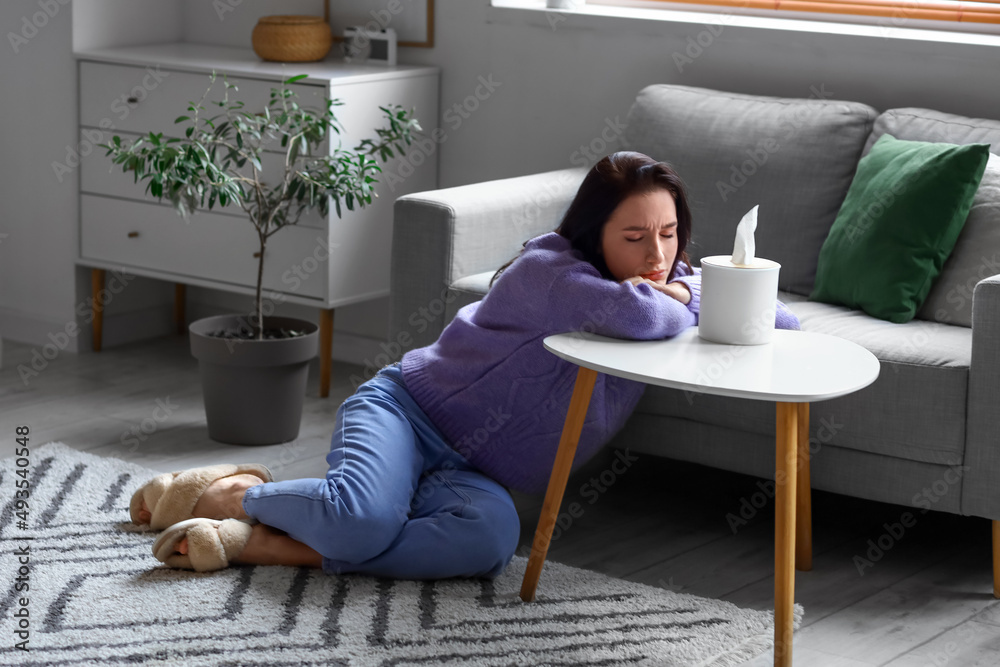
(611, 181)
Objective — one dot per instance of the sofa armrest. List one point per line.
(440, 236)
(981, 471)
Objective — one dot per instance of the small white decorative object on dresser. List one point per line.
(323, 261)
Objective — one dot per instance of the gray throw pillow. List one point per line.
(976, 255)
(795, 158)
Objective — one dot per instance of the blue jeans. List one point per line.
(397, 500)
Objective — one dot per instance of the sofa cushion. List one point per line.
(914, 124)
(916, 342)
(466, 290)
(976, 255)
(834, 468)
(914, 410)
(793, 157)
(902, 215)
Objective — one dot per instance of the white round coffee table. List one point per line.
(794, 369)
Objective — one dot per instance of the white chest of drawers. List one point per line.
(324, 262)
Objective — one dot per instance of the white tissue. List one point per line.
(743, 248)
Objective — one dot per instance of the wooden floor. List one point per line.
(927, 600)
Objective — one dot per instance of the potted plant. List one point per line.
(254, 372)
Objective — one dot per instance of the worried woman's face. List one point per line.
(640, 237)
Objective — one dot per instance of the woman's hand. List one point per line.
(676, 290)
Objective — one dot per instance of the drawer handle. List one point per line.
(133, 235)
(133, 100)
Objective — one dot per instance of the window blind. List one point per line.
(934, 10)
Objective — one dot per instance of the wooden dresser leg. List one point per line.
(180, 301)
(325, 350)
(803, 496)
(96, 287)
(996, 559)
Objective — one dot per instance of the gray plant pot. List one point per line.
(253, 389)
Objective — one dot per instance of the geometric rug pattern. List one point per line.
(95, 595)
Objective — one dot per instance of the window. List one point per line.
(968, 11)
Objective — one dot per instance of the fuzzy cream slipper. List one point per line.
(171, 497)
(212, 544)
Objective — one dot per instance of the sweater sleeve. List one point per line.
(582, 300)
(785, 318)
(693, 283)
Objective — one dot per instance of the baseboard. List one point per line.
(76, 335)
(355, 349)
(153, 322)
(29, 328)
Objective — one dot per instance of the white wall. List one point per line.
(559, 82)
(231, 22)
(38, 231)
(105, 23)
(40, 288)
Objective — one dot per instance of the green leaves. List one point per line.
(402, 125)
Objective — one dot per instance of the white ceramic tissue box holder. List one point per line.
(738, 301)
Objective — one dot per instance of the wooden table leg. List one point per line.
(786, 467)
(180, 301)
(996, 558)
(803, 496)
(96, 287)
(572, 428)
(325, 350)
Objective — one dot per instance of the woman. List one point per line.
(422, 452)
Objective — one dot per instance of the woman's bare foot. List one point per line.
(223, 499)
(268, 546)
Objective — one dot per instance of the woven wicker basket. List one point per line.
(291, 38)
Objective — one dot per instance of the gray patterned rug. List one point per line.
(96, 596)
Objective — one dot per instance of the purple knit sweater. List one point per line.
(500, 397)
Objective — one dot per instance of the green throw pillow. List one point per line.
(899, 222)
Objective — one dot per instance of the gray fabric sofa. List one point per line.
(926, 434)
